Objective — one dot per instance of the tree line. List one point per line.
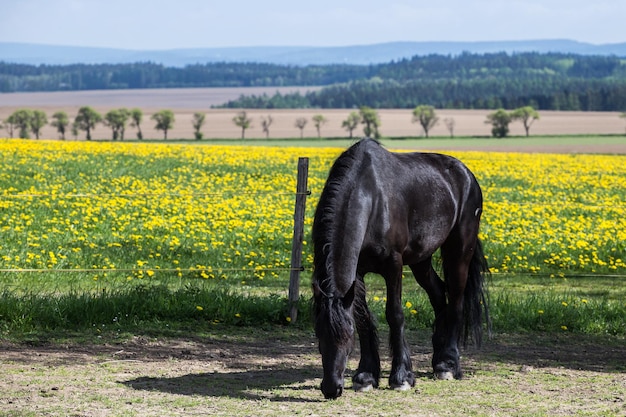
(549, 81)
(23, 122)
(543, 94)
(27, 121)
(23, 77)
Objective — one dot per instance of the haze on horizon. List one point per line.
(159, 25)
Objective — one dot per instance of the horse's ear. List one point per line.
(348, 299)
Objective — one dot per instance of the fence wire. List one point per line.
(168, 270)
(226, 194)
(147, 195)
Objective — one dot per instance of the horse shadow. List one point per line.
(244, 384)
(576, 352)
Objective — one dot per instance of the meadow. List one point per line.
(189, 224)
(151, 279)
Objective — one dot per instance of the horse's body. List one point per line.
(378, 212)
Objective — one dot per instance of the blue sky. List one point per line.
(157, 24)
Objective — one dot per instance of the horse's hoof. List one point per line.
(362, 387)
(404, 387)
(444, 376)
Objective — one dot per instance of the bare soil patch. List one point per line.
(270, 372)
(566, 147)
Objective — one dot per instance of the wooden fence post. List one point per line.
(298, 237)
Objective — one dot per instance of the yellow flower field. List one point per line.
(222, 212)
(547, 212)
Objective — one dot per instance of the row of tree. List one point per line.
(26, 121)
(366, 116)
(542, 94)
(555, 66)
(545, 81)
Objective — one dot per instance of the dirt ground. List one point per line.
(566, 147)
(185, 102)
(278, 372)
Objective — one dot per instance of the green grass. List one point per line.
(518, 304)
(436, 142)
(185, 215)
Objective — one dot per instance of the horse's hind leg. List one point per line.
(428, 279)
(402, 376)
(456, 256)
(368, 372)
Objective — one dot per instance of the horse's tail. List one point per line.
(476, 298)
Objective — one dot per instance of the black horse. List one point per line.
(379, 211)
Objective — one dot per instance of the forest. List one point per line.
(550, 81)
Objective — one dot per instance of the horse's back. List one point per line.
(417, 199)
(426, 176)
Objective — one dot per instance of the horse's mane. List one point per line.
(331, 319)
(341, 177)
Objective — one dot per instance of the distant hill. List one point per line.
(36, 54)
